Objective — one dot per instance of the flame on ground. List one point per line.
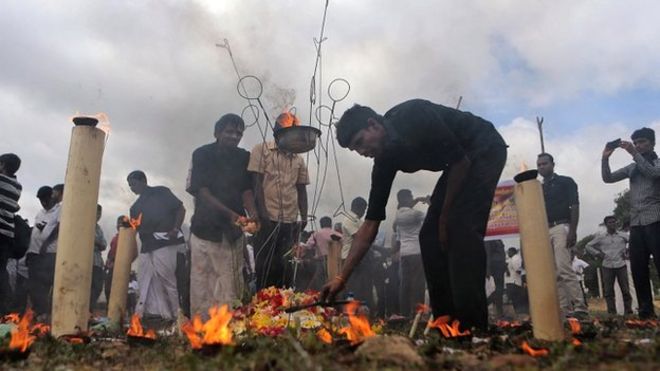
(40, 329)
(448, 331)
(215, 331)
(635, 323)
(359, 327)
(324, 335)
(576, 342)
(534, 352)
(576, 328)
(287, 120)
(136, 329)
(11, 318)
(507, 324)
(21, 337)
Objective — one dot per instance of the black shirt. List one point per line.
(425, 136)
(159, 207)
(223, 171)
(559, 193)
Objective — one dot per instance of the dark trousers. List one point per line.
(391, 290)
(497, 297)
(183, 281)
(413, 283)
(621, 276)
(272, 267)
(108, 284)
(19, 299)
(41, 270)
(644, 241)
(518, 296)
(98, 278)
(5, 288)
(456, 273)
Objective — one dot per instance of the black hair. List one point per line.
(99, 208)
(358, 203)
(353, 120)
(137, 175)
(326, 222)
(549, 156)
(44, 192)
(609, 217)
(229, 119)
(647, 133)
(58, 188)
(11, 162)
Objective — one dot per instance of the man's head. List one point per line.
(545, 164)
(120, 221)
(610, 223)
(137, 181)
(58, 193)
(361, 129)
(511, 251)
(45, 196)
(9, 164)
(405, 198)
(99, 212)
(644, 140)
(229, 130)
(326, 222)
(359, 206)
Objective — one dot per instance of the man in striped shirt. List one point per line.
(644, 175)
(10, 192)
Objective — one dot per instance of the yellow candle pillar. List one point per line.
(126, 252)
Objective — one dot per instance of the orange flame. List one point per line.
(287, 120)
(215, 331)
(448, 331)
(576, 342)
(523, 166)
(137, 330)
(40, 329)
(12, 318)
(507, 324)
(422, 308)
(359, 327)
(21, 339)
(133, 222)
(635, 323)
(575, 326)
(534, 352)
(324, 336)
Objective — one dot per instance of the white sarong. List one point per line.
(157, 282)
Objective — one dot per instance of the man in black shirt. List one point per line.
(420, 135)
(563, 210)
(160, 214)
(221, 185)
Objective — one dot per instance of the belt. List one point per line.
(557, 222)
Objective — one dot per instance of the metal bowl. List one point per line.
(297, 139)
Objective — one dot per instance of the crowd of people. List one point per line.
(437, 256)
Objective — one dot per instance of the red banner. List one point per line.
(503, 219)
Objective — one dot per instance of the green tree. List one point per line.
(622, 207)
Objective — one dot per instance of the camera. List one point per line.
(613, 144)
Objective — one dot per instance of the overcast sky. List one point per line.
(590, 68)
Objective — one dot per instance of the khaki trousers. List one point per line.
(215, 273)
(568, 287)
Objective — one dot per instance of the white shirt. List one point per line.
(44, 223)
(349, 227)
(408, 222)
(514, 265)
(578, 267)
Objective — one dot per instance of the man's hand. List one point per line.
(629, 147)
(172, 235)
(331, 289)
(571, 239)
(607, 152)
(442, 233)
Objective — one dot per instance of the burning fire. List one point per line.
(287, 120)
(21, 337)
(215, 331)
(359, 327)
(507, 324)
(575, 326)
(635, 323)
(324, 335)
(133, 222)
(136, 329)
(12, 318)
(40, 329)
(422, 308)
(534, 352)
(448, 331)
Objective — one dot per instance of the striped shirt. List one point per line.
(644, 178)
(10, 192)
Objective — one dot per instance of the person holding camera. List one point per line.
(644, 176)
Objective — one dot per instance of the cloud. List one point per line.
(155, 69)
